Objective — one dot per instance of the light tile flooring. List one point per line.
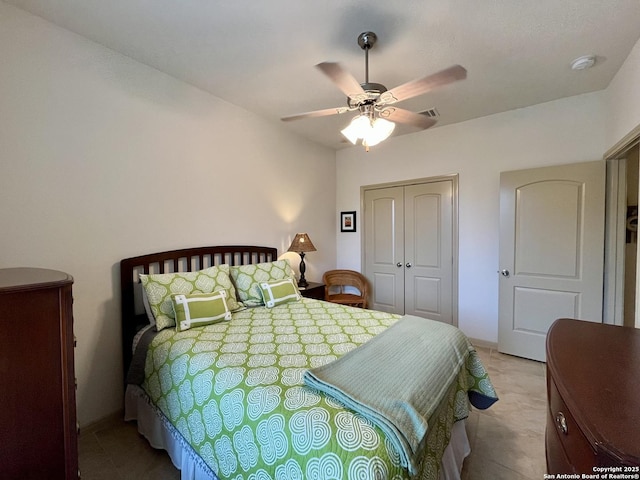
(507, 440)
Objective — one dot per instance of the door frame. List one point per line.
(454, 179)
(614, 229)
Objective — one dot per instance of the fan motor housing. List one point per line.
(373, 87)
(372, 92)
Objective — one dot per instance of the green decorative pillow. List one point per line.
(200, 309)
(277, 292)
(248, 277)
(159, 288)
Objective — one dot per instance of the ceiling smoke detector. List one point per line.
(584, 62)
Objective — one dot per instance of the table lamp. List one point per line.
(301, 244)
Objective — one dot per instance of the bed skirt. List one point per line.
(154, 426)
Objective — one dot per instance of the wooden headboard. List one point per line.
(184, 260)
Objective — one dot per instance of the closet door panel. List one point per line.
(428, 250)
(384, 248)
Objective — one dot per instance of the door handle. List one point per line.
(399, 264)
(408, 265)
(561, 423)
(504, 273)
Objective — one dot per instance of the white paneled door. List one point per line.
(551, 252)
(409, 249)
(383, 220)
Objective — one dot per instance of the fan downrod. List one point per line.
(366, 40)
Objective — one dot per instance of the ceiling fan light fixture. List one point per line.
(380, 130)
(372, 100)
(372, 132)
(358, 127)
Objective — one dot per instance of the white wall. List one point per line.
(103, 158)
(564, 131)
(623, 99)
(623, 115)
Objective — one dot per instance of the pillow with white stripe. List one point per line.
(161, 286)
(277, 292)
(200, 309)
(247, 278)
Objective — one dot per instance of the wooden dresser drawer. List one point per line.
(567, 435)
(557, 460)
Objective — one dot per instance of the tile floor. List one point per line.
(507, 440)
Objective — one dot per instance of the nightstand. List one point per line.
(313, 290)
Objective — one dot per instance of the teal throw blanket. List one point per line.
(397, 379)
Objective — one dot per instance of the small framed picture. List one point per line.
(347, 221)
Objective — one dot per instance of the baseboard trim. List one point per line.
(103, 423)
(484, 343)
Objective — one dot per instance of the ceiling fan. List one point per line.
(373, 101)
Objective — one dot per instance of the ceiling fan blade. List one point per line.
(342, 78)
(401, 115)
(316, 113)
(422, 85)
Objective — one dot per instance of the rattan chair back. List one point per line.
(336, 287)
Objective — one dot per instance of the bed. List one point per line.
(233, 399)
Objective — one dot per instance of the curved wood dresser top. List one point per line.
(596, 368)
(25, 278)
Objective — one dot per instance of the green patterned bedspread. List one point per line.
(235, 392)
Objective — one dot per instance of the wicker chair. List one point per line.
(335, 282)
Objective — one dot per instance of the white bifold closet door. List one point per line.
(409, 249)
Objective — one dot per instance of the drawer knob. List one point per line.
(561, 423)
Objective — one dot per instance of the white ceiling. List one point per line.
(261, 54)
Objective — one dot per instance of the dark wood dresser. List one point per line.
(593, 389)
(38, 431)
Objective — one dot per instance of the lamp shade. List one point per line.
(302, 243)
